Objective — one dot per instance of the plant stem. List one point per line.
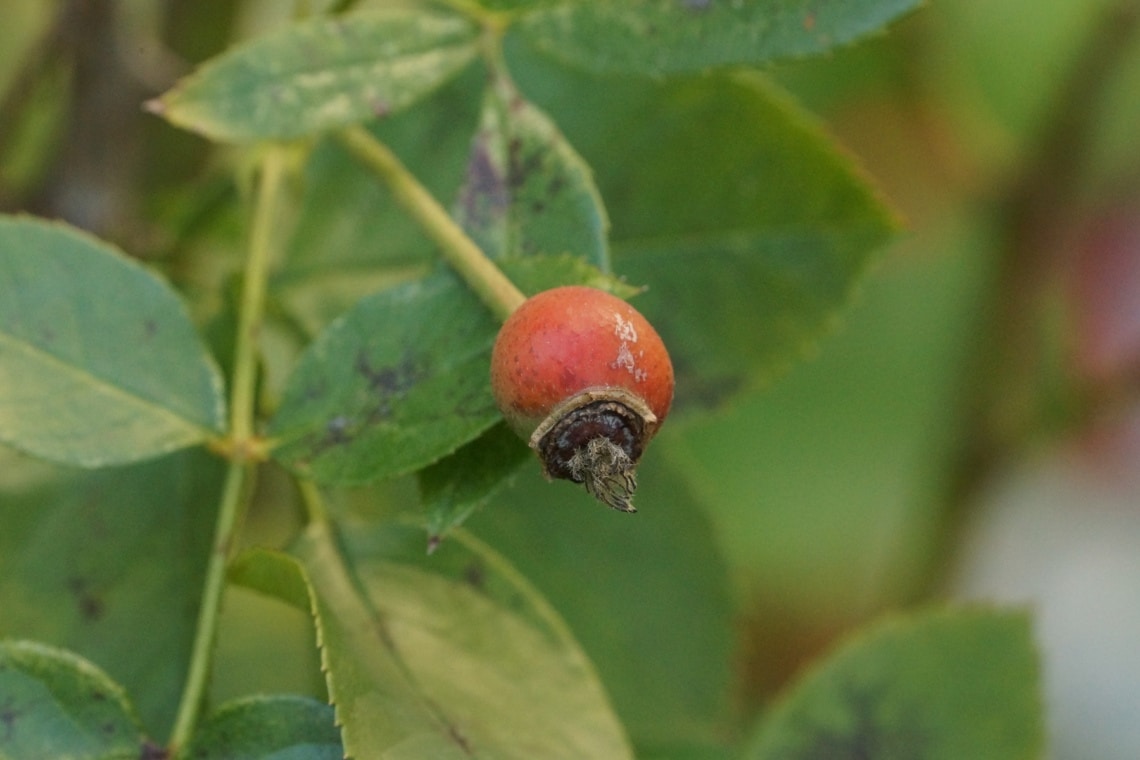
(252, 308)
(201, 656)
(235, 493)
(494, 288)
(315, 511)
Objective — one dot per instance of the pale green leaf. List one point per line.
(658, 37)
(379, 708)
(321, 74)
(646, 594)
(99, 362)
(448, 656)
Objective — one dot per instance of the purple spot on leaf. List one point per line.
(336, 431)
(90, 604)
(475, 575)
(484, 195)
(8, 716)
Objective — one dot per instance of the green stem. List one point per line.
(197, 677)
(487, 281)
(252, 309)
(315, 511)
(235, 493)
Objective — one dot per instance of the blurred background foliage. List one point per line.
(971, 430)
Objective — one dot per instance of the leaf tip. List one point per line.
(155, 106)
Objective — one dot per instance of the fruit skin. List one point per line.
(583, 364)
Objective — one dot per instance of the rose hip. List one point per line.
(587, 381)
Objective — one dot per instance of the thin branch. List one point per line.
(241, 447)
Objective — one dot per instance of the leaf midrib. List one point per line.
(106, 386)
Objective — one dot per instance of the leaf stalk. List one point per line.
(236, 491)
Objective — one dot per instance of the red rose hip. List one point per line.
(586, 379)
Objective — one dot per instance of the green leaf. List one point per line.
(403, 378)
(451, 656)
(659, 37)
(748, 273)
(91, 559)
(398, 382)
(378, 706)
(534, 274)
(453, 488)
(527, 191)
(940, 686)
(275, 727)
(58, 705)
(322, 74)
(748, 227)
(275, 574)
(647, 595)
(99, 363)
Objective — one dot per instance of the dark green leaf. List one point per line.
(534, 274)
(268, 728)
(814, 482)
(90, 560)
(753, 245)
(451, 656)
(657, 37)
(322, 74)
(54, 704)
(99, 363)
(750, 229)
(939, 686)
(527, 191)
(454, 487)
(395, 384)
(646, 595)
